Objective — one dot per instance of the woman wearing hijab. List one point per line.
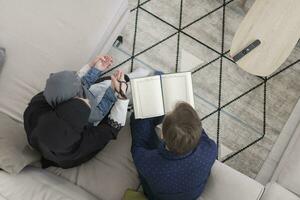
(78, 113)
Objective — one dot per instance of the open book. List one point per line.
(156, 95)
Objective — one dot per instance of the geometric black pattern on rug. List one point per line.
(222, 55)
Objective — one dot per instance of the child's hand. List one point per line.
(104, 63)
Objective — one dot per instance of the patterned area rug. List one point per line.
(243, 113)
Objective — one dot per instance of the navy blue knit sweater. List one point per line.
(164, 175)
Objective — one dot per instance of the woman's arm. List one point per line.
(88, 66)
(92, 71)
(83, 70)
(118, 114)
(91, 76)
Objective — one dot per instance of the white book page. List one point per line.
(177, 87)
(147, 97)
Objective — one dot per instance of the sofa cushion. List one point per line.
(15, 154)
(289, 176)
(110, 173)
(42, 37)
(38, 184)
(226, 183)
(281, 149)
(275, 191)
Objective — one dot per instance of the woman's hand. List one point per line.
(101, 62)
(94, 61)
(104, 63)
(115, 84)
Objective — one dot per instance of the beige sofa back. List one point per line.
(42, 37)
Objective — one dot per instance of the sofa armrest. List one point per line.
(226, 183)
(274, 191)
(280, 151)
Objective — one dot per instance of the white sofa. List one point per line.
(281, 171)
(41, 37)
(108, 175)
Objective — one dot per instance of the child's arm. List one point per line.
(143, 132)
(144, 142)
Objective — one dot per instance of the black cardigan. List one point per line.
(82, 141)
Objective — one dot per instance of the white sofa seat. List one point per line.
(275, 191)
(226, 183)
(114, 164)
(109, 174)
(37, 184)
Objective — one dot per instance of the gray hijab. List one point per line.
(62, 86)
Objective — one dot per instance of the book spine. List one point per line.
(162, 92)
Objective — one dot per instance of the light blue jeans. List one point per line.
(100, 95)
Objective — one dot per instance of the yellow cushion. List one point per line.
(131, 194)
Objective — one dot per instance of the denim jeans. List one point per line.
(100, 95)
(101, 105)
